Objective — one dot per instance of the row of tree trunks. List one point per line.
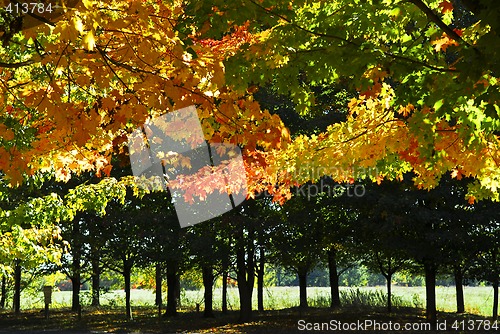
(208, 279)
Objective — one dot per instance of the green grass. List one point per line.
(478, 300)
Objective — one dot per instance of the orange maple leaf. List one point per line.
(472, 199)
(446, 6)
(456, 173)
(405, 111)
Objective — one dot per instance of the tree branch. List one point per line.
(436, 19)
(16, 65)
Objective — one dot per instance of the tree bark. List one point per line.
(4, 292)
(75, 281)
(171, 309)
(334, 279)
(96, 282)
(430, 293)
(17, 288)
(245, 274)
(127, 268)
(260, 281)
(208, 280)
(76, 265)
(459, 288)
(96, 276)
(302, 273)
(388, 279)
(158, 284)
(225, 276)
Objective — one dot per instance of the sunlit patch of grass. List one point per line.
(478, 300)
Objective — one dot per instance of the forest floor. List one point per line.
(294, 320)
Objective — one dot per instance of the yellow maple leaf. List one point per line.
(89, 40)
(443, 43)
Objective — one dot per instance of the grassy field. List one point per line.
(478, 300)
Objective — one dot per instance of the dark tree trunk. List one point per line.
(334, 278)
(302, 273)
(388, 279)
(158, 284)
(260, 281)
(75, 281)
(430, 293)
(4, 292)
(127, 268)
(76, 266)
(495, 299)
(245, 302)
(225, 276)
(171, 309)
(17, 288)
(96, 276)
(245, 274)
(459, 288)
(208, 280)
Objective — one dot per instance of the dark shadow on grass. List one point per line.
(146, 320)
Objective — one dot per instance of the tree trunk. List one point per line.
(334, 279)
(495, 299)
(245, 302)
(430, 293)
(75, 281)
(260, 281)
(76, 265)
(127, 268)
(225, 276)
(459, 288)
(245, 274)
(388, 279)
(158, 284)
(171, 309)
(17, 288)
(208, 280)
(302, 273)
(4, 292)
(96, 278)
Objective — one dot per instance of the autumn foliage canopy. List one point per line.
(74, 83)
